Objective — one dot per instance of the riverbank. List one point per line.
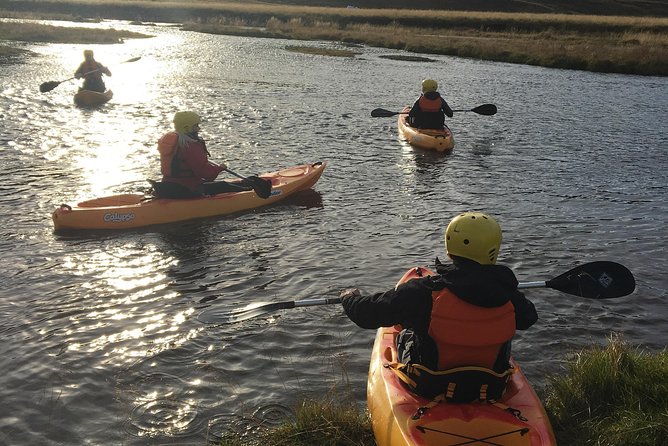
(613, 395)
(612, 44)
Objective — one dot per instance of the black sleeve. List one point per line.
(415, 108)
(408, 305)
(525, 311)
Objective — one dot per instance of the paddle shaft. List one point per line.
(337, 300)
(236, 174)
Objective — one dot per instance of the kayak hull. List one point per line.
(88, 98)
(127, 211)
(431, 139)
(392, 407)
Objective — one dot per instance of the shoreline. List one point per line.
(607, 44)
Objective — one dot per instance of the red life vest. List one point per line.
(430, 105)
(466, 334)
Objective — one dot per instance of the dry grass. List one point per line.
(632, 45)
(58, 34)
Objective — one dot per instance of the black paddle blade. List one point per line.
(485, 109)
(595, 280)
(382, 113)
(48, 86)
(261, 186)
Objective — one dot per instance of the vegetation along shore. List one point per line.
(612, 395)
(594, 42)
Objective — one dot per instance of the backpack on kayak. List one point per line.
(168, 146)
(459, 385)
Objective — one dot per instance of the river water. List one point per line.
(103, 342)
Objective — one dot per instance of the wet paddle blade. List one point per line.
(382, 113)
(261, 186)
(242, 314)
(48, 86)
(260, 309)
(595, 280)
(485, 109)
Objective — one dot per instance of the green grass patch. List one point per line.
(614, 395)
(321, 423)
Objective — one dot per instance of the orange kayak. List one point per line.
(393, 407)
(89, 98)
(128, 211)
(440, 140)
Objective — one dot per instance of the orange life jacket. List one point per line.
(466, 334)
(430, 105)
(167, 146)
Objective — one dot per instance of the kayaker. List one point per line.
(430, 109)
(464, 316)
(185, 165)
(92, 71)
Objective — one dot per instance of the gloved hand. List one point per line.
(349, 292)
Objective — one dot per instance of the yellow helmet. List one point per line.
(429, 85)
(88, 54)
(184, 121)
(475, 236)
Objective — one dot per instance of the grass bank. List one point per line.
(615, 395)
(629, 45)
(32, 32)
(612, 395)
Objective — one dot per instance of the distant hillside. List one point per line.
(657, 8)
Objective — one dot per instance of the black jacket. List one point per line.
(410, 304)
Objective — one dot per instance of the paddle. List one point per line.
(50, 85)
(484, 109)
(261, 186)
(594, 280)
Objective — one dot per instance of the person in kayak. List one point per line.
(430, 109)
(465, 316)
(91, 71)
(185, 165)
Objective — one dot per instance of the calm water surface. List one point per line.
(101, 337)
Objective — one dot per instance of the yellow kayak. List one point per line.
(89, 98)
(440, 140)
(127, 211)
(519, 419)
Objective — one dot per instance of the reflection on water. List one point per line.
(103, 343)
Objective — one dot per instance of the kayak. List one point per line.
(89, 98)
(126, 211)
(440, 140)
(394, 409)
